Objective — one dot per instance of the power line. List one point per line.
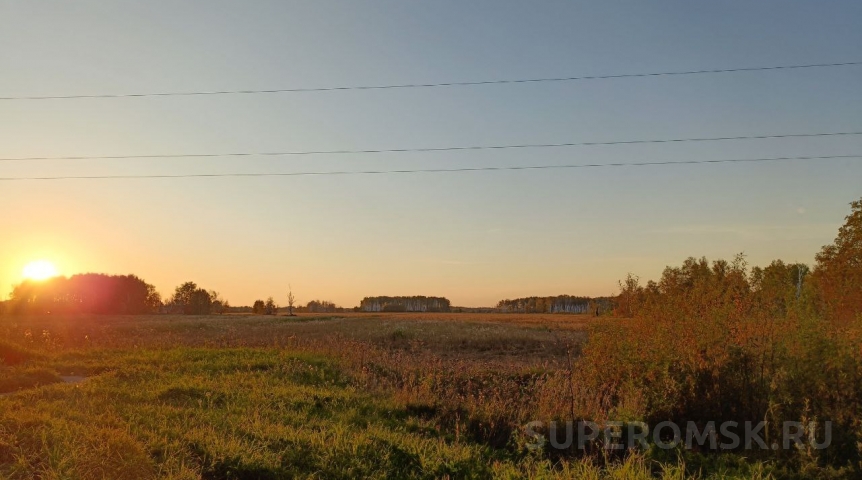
(434, 149)
(435, 85)
(432, 170)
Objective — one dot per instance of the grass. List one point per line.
(252, 397)
(226, 413)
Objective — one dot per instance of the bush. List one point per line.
(713, 342)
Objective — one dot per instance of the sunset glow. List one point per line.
(39, 270)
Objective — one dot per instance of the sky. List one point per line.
(474, 237)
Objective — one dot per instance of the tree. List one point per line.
(290, 301)
(630, 295)
(153, 300)
(258, 307)
(183, 294)
(219, 305)
(200, 303)
(838, 273)
(188, 299)
(270, 308)
(777, 286)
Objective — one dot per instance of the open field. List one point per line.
(511, 337)
(254, 396)
(312, 396)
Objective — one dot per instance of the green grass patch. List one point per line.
(228, 413)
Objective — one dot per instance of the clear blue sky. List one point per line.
(473, 237)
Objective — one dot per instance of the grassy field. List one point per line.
(313, 396)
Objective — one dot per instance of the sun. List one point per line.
(39, 270)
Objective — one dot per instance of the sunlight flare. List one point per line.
(39, 270)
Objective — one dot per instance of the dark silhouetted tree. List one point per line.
(183, 295)
(85, 293)
(200, 304)
(321, 306)
(219, 305)
(270, 308)
(259, 307)
(191, 300)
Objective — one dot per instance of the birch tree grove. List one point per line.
(405, 304)
(554, 304)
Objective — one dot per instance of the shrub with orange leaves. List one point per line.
(715, 342)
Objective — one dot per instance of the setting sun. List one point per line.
(39, 270)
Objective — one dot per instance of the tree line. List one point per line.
(270, 307)
(322, 306)
(556, 304)
(89, 293)
(97, 293)
(417, 303)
